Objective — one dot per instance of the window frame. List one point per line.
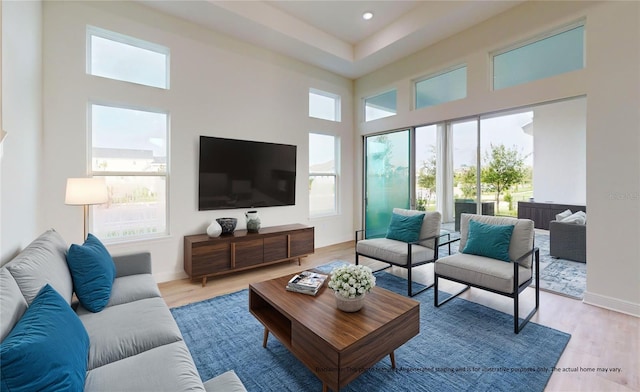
(335, 175)
(165, 174)
(131, 41)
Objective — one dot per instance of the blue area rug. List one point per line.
(462, 346)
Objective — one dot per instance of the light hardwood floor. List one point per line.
(600, 338)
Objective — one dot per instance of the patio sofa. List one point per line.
(52, 341)
(568, 241)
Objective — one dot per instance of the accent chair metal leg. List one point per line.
(435, 295)
(517, 327)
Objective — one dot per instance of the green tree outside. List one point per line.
(503, 167)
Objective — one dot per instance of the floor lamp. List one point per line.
(85, 192)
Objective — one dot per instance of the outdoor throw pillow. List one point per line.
(489, 240)
(93, 272)
(562, 215)
(579, 218)
(47, 349)
(405, 228)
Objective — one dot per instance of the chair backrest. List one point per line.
(430, 224)
(521, 238)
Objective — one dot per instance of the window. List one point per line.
(380, 106)
(129, 149)
(323, 174)
(552, 55)
(117, 56)
(444, 87)
(324, 105)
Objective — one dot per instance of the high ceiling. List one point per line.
(332, 34)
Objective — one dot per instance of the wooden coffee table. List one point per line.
(336, 346)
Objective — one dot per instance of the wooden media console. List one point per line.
(206, 256)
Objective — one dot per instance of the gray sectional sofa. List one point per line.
(134, 342)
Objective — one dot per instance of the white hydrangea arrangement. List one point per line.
(351, 280)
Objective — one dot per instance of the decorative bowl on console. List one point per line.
(228, 224)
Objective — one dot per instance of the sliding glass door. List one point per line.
(464, 152)
(506, 150)
(427, 179)
(387, 179)
(484, 164)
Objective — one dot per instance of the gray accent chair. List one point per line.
(568, 241)
(404, 254)
(497, 276)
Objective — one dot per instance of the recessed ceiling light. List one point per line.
(367, 15)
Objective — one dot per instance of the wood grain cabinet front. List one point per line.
(205, 256)
(247, 253)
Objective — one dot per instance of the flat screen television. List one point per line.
(245, 174)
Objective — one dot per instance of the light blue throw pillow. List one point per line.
(93, 272)
(405, 228)
(489, 240)
(47, 350)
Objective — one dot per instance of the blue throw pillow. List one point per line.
(405, 228)
(47, 350)
(489, 240)
(93, 272)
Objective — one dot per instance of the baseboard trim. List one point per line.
(169, 276)
(615, 304)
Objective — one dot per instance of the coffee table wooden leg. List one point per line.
(392, 356)
(266, 336)
(325, 388)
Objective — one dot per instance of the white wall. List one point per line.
(610, 81)
(613, 157)
(559, 149)
(219, 87)
(20, 184)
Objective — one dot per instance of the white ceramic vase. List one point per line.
(214, 229)
(349, 304)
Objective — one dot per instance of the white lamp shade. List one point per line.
(83, 191)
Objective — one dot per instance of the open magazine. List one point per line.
(307, 282)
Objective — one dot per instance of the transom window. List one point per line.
(443, 87)
(380, 106)
(324, 105)
(552, 55)
(117, 56)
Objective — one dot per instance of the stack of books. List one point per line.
(307, 282)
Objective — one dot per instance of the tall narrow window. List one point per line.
(552, 55)
(380, 106)
(129, 149)
(444, 87)
(120, 57)
(323, 174)
(324, 105)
